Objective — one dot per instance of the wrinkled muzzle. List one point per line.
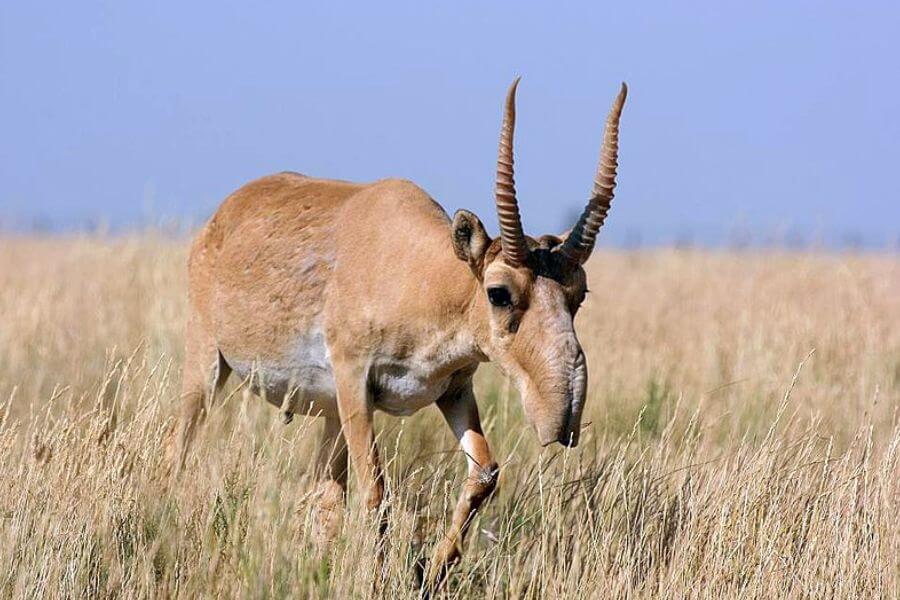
(554, 402)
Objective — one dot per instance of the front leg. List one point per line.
(356, 413)
(355, 410)
(461, 413)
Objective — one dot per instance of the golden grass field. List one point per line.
(713, 465)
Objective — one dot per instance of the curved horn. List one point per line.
(511, 235)
(580, 242)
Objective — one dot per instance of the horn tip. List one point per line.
(623, 91)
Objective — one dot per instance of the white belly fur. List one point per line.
(399, 387)
(305, 372)
(402, 388)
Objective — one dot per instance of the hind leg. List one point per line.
(205, 372)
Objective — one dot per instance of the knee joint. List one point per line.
(483, 481)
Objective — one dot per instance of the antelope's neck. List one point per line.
(462, 310)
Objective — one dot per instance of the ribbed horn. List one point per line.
(511, 235)
(580, 242)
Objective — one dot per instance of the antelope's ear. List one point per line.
(470, 240)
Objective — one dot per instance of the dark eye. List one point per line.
(499, 296)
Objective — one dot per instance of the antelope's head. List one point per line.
(531, 288)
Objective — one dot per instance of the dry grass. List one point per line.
(712, 467)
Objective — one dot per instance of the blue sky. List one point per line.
(763, 118)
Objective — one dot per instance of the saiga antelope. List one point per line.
(338, 299)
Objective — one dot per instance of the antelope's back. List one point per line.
(260, 266)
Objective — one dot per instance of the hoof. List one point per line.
(445, 556)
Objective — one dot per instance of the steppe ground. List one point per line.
(742, 440)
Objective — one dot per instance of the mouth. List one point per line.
(570, 440)
(568, 435)
(565, 440)
(565, 436)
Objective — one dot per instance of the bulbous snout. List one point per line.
(556, 415)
